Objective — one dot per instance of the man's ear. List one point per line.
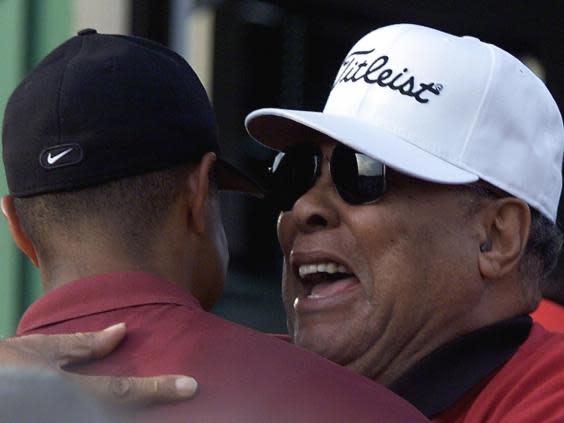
(199, 190)
(18, 234)
(506, 225)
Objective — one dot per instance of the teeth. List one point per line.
(330, 267)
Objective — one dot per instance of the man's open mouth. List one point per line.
(325, 279)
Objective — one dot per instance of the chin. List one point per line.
(324, 343)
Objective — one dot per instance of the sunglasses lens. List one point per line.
(358, 178)
(293, 174)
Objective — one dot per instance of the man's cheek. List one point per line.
(290, 316)
(288, 293)
(287, 298)
(284, 233)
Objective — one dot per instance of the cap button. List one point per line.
(87, 31)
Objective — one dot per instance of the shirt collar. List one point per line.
(447, 374)
(101, 293)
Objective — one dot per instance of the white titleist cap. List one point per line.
(438, 107)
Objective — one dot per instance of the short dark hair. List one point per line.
(542, 249)
(131, 209)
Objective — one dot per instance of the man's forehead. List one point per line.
(321, 140)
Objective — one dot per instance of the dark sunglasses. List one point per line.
(358, 178)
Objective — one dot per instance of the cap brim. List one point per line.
(280, 128)
(231, 178)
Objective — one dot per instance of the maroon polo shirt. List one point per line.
(550, 315)
(243, 375)
(528, 388)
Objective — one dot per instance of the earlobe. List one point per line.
(199, 188)
(18, 234)
(506, 231)
(486, 246)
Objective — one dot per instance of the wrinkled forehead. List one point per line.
(290, 135)
(283, 133)
(321, 141)
(309, 141)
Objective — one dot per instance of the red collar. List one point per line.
(100, 293)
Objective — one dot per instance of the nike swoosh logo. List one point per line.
(54, 159)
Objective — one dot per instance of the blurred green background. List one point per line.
(28, 31)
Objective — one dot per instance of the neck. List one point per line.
(498, 301)
(63, 272)
(84, 259)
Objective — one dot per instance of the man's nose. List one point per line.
(316, 209)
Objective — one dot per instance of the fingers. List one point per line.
(14, 354)
(73, 348)
(138, 390)
(55, 351)
(83, 346)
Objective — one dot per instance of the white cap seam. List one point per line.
(482, 101)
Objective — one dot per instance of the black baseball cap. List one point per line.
(102, 107)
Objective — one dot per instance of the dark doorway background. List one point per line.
(285, 54)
